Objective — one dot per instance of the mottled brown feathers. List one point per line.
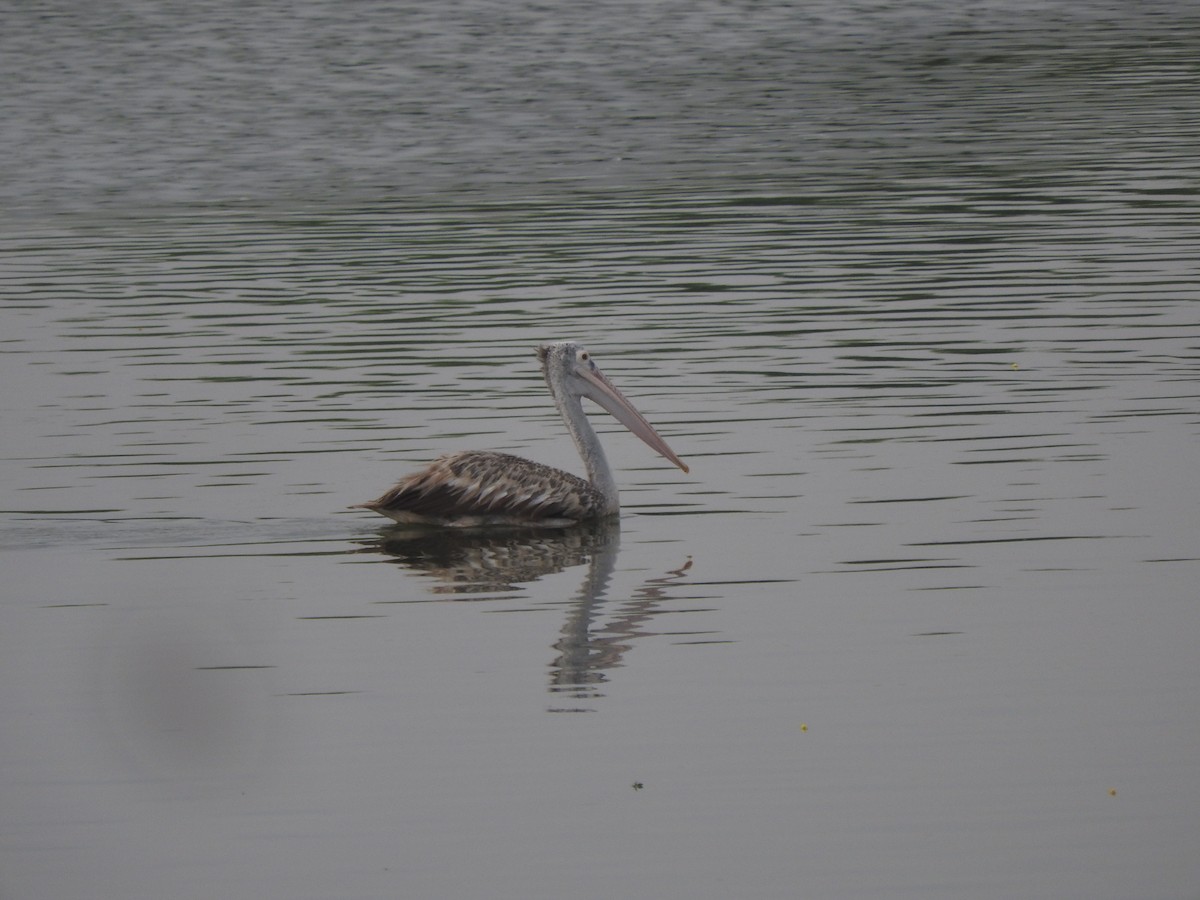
(484, 488)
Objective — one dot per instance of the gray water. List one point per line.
(913, 290)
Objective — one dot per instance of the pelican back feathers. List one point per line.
(476, 488)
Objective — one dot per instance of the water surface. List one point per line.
(912, 289)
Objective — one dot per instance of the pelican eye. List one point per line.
(584, 357)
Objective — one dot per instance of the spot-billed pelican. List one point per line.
(476, 487)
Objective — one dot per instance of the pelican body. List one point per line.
(475, 488)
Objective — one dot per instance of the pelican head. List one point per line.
(571, 373)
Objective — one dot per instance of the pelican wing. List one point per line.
(475, 488)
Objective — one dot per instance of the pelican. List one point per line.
(474, 487)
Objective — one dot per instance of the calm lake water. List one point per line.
(913, 288)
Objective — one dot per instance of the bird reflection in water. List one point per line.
(468, 561)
